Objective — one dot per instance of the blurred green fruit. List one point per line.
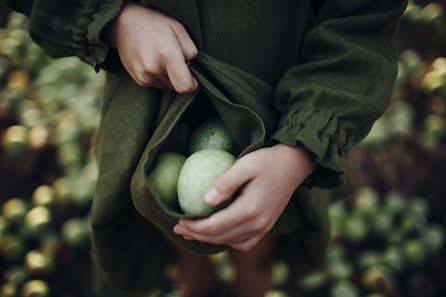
(3, 225)
(76, 232)
(81, 189)
(337, 215)
(433, 81)
(335, 253)
(434, 238)
(11, 248)
(30, 114)
(419, 208)
(15, 140)
(395, 237)
(275, 293)
(19, 79)
(355, 229)
(70, 155)
(439, 64)
(212, 134)
(50, 243)
(63, 190)
(382, 224)
(366, 203)
(8, 290)
(394, 204)
(415, 251)
(411, 60)
(376, 295)
(378, 280)
(12, 48)
(16, 275)
(163, 178)
(38, 264)
(44, 196)
(38, 137)
(35, 288)
(68, 128)
(393, 258)
(35, 59)
(410, 226)
(432, 13)
(379, 133)
(369, 259)
(401, 117)
(280, 273)
(312, 281)
(16, 21)
(225, 272)
(344, 289)
(434, 131)
(340, 270)
(37, 220)
(14, 210)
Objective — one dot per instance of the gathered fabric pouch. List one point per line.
(130, 224)
(234, 96)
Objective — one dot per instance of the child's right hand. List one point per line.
(154, 48)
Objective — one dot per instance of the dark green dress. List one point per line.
(310, 72)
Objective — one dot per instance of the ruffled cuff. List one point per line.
(330, 150)
(92, 46)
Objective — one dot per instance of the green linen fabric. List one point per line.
(70, 28)
(310, 72)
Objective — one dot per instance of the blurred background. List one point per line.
(387, 226)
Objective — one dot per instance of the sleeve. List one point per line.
(71, 27)
(343, 83)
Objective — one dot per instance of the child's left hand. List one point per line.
(268, 178)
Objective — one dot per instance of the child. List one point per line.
(332, 65)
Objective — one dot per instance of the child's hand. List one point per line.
(269, 177)
(154, 48)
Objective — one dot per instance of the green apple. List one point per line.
(163, 178)
(199, 171)
(212, 134)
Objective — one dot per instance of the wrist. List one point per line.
(298, 156)
(113, 27)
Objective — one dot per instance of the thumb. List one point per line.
(228, 183)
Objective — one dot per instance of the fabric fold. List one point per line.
(73, 30)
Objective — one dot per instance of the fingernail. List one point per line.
(178, 229)
(212, 197)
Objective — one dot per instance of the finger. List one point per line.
(179, 74)
(218, 223)
(246, 245)
(235, 214)
(146, 79)
(157, 84)
(165, 79)
(153, 74)
(160, 85)
(235, 235)
(225, 186)
(187, 45)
